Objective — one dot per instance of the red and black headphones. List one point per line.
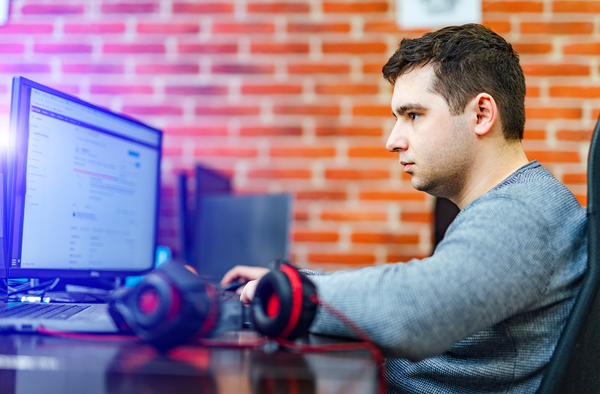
(167, 308)
(284, 303)
(172, 305)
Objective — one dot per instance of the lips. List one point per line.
(406, 165)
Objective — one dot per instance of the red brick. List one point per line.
(318, 28)
(300, 216)
(385, 238)
(196, 131)
(393, 195)
(167, 69)
(370, 152)
(272, 89)
(243, 28)
(94, 28)
(243, 69)
(321, 195)
(532, 91)
(355, 7)
(532, 48)
(582, 49)
(187, 90)
(321, 68)
(24, 68)
(576, 6)
(155, 110)
(203, 8)
(121, 89)
(354, 216)
(56, 9)
(382, 27)
(512, 6)
(373, 68)
(323, 131)
(354, 47)
(372, 110)
(129, 8)
(207, 48)
(133, 48)
(302, 152)
(351, 174)
(535, 134)
(553, 113)
(575, 178)
(62, 48)
(557, 27)
(556, 69)
(417, 217)
(227, 111)
(554, 156)
(278, 8)
(499, 26)
(574, 135)
(306, 110)
(347, 89)
(93, 68)
(231, 152)
(168, 28)
(12, 48)
(575, 91)
(270, 131)
(172, 151)
(280, 173)
(18, 28)
(275, 48)
(350, 259)
(315, 236)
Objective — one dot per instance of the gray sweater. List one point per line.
(483, 314)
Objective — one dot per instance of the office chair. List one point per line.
(575, 365)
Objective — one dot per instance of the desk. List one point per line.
(44, 364)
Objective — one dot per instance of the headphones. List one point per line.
(172, 305)
(284, 303)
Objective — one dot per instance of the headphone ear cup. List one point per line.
(284, 303)
(168, 307)
(270, 308)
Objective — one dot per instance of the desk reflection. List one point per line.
(42, 364)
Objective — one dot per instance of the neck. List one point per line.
(489, 169)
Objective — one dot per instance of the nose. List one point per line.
(397, 140)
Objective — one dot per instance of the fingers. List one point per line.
(248, 292)
(243, 273)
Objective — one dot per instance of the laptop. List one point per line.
(82, 191)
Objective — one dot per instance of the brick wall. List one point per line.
(287, 96)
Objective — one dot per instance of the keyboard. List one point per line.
(42, 311)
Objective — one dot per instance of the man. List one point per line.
(483, 314)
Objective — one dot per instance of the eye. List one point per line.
(413, 116)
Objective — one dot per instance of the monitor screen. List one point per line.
(83, 187)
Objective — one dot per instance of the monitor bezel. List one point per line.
(18, 137)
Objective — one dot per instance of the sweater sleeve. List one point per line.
(494, 262)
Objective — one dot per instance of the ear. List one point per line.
(486, 111)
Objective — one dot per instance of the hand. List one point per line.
(248, 274)
(243, 273)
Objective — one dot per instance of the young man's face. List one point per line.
(434, 147)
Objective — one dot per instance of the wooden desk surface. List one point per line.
(44, 364)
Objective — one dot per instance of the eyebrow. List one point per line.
(409, 108)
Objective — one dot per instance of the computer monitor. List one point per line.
(83, 188)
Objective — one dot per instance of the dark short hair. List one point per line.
(468, 60)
